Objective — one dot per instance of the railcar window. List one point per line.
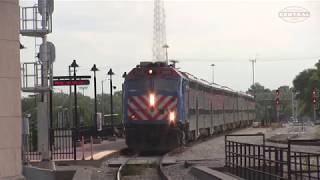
(161, 84)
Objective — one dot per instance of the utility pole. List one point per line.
(253, 61)
(212, 65)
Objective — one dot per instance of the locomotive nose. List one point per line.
(153, 106)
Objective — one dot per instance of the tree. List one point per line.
(265, 103)
(63, 102)
(304, 83)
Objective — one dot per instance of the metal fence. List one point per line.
(304, 165)
(63, 144)
(31, 152)
(63, 141)
(260, 161)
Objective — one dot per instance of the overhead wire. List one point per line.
(241, 60)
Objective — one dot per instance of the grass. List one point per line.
(133, 170)
(318, 132)
(275, 125)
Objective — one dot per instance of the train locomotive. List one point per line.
(165, 107)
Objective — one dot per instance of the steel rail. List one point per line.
(123, 165)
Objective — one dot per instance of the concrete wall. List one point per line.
(10, 105)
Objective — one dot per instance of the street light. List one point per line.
(212, 65)
(95, 69)
(74, 65)
(111, 73)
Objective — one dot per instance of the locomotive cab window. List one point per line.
(139, 84)
(165, 84)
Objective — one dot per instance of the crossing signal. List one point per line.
(277, 93)
(277, 101)
(314, 100)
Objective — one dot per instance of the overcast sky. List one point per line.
(118, 35)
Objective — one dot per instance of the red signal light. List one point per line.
(314, 93)
(314, 100)
(277, 101)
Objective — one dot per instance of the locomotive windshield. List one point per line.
(158, 84)
(138, 85)
(162, 84)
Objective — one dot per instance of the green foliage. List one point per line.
(303, 84)
(65, 102)
(265, 103)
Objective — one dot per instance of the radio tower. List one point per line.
(159, 32)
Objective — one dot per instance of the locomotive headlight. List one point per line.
(150, 72)
(152, 100)
(172, 116)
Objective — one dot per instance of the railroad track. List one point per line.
(178, 150)
(159, 168)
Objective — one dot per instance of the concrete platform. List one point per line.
(116, 162)
(101, 150)
(36, 173)
(202, 172)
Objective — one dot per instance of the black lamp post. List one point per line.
(110, 73)
(95, 69)
(74, 65)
